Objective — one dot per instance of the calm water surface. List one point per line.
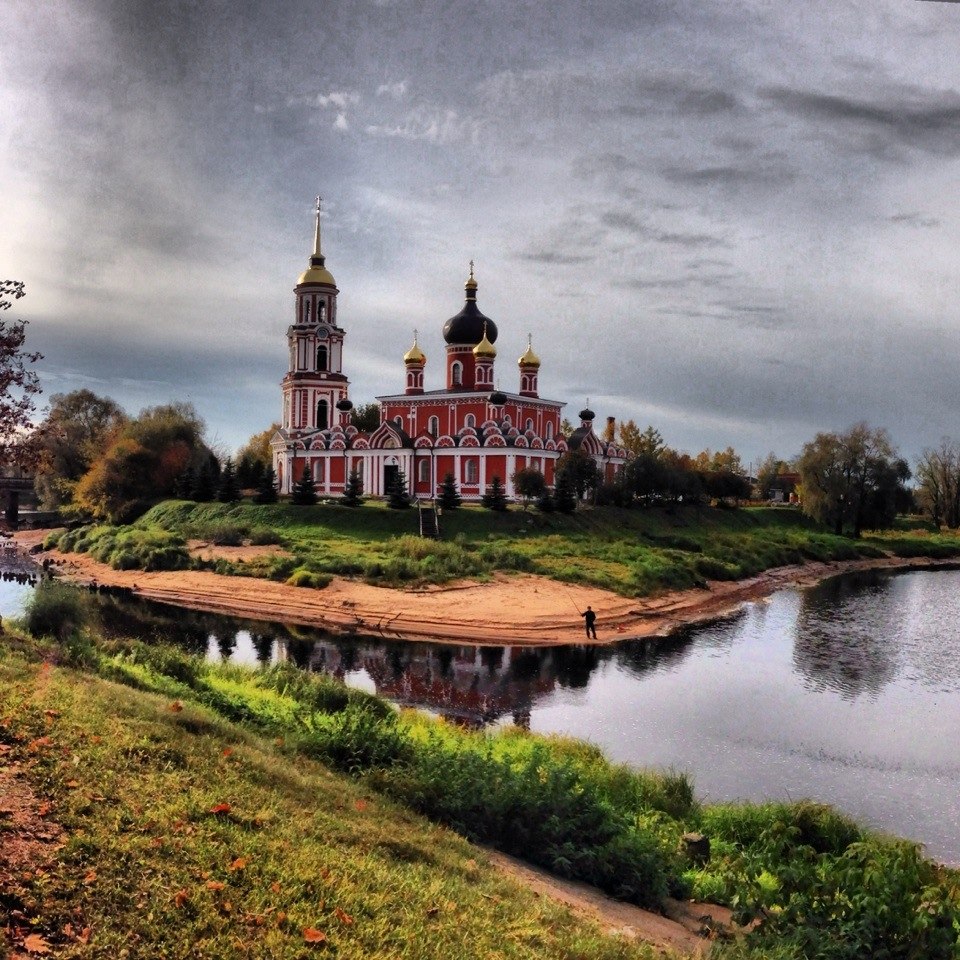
(848, 692)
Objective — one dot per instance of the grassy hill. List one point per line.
(208, 810)
(633, 552)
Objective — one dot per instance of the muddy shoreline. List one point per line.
(509, 610)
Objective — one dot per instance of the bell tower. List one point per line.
(315, 388)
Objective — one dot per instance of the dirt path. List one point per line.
(685, 930)
(514, 610)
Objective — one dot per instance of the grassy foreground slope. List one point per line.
(182, 825)
(633, 552)
(185, 834)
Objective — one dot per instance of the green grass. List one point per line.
(633, 552)
(151, 871)
(818, 886)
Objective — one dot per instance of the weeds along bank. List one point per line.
(817, 885)
(631, 552)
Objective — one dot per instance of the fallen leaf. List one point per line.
(239, 863)
(84, 935)
(343, 917)
(91, 877)
(281, 916)
(221, 808)
(35, 745)
(35, 944)
(215, 885)
(275, 887)
(313, 935)
(180, 898)
(72, 784)
(360, 805)
(226, 906)
(227, 751)
(176, 706)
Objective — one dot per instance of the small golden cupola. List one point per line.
(485, 349)
(415, 354)
(529, 365)
(414, 359)
(529, 359)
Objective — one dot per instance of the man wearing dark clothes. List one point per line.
(589, 619)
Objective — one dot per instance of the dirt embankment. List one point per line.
(509, 610)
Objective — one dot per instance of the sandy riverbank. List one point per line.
(511, 609)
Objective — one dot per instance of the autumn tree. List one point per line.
(637, 442)
(75, 431)
(255, 456)
(19, 385)
(852, 479)
(143, 461)
(770, 468)
(938, 483)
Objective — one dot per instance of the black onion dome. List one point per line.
(587, 414)
(497, 398)
(467, 327)
(344, 405)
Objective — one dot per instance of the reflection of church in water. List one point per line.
(469, 428)
(469, 685)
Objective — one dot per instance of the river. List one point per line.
(847, 692)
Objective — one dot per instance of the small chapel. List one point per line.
(469, 428)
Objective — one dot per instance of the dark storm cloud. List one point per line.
(924, 120)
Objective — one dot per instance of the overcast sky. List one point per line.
(737, 221)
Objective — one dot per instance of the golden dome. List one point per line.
(317, 275)
(415, 354)
(471, 283)
(529, 359)
(485, 349)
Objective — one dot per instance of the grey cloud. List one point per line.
(555, 257)
(621, 220)
(916, 219)
(727, 176)
(927, 120)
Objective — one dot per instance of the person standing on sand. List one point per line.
(589, 619)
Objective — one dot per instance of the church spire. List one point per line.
(316, 239)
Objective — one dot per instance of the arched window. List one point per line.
(529, 423)
(323, 415)
(433, 426)
(322, 357)
(321, 310)
(306, 311)
(398, 422)
(549, 431)
(470, 421)
(318, 470)
(507, 420)
(423, 470)
(471, 474)
(456, 373)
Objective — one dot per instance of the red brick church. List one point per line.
(469, 428)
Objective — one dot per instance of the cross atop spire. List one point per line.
(316, 240)
(471, 270)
